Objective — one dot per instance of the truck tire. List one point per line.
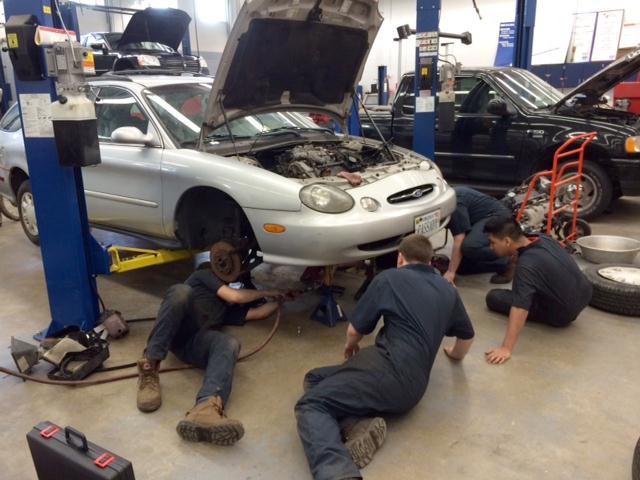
(597, 190)
(616, 296)
(635, 468)
(26, 207)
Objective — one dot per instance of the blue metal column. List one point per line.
(426, 77)
(525, 21)
(69, 13)
(383, 90)
(354, 118)
(66, 243)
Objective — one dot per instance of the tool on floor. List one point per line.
(25, 355)
(66, 453)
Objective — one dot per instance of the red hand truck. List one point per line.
(559, 178)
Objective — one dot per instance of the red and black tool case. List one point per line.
(65, 454)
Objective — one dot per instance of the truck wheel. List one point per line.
(616, 288)
(27, 209)
(596, 194)
(9, 209)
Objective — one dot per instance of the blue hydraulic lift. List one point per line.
(426, 78)
(71, 256)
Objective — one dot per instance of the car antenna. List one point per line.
(385, 143)
(226, 123)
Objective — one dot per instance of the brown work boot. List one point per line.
(149, 396)
(206, 422)
(506, 276)
(363, 437)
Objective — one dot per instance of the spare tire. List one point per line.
(616, 288)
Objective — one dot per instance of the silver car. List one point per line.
(189, 163)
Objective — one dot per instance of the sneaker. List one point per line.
(363, 438)
(506, 276)
(206, 422)
(149, 396)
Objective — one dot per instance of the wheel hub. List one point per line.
(225, 261)
(626, 275)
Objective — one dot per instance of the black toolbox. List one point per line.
(65, 454)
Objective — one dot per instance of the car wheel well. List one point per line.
(16, 177)
(205, 215)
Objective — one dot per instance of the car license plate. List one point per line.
(428, 223)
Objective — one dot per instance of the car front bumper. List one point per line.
(315, 239)
(627, 170)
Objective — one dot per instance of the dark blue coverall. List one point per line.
(419, 308)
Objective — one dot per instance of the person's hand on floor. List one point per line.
(497, 356)
(350, 350)
(450, 277)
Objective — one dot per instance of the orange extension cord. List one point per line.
(86, 383)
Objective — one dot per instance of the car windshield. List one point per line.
(151, 46)
(181, 108)
(113, 39)
(528, 90)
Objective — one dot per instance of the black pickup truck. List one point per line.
(508, 124)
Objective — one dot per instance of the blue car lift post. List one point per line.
(426, 78)
(70, 255)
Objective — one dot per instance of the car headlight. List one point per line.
(326, 199)
(632, 144)
(369, 204)
(148, 61)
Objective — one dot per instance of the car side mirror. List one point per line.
(131, 136)
(499, 107)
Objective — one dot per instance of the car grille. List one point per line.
(179, 63)
(413, 193)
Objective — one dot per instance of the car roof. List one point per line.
(151, 80)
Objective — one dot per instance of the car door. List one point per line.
(404, 109)
(125, 190)
(485, 148)
(451, 166)
(11, 148)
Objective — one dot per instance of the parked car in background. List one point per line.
(261, 175)
(150, 41)
(508, 124)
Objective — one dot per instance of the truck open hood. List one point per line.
(163, 25)
(293, 55)
(597, 85)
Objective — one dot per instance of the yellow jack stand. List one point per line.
(126, 259)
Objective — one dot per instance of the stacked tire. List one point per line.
(615, 296)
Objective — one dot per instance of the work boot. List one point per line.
(206, 422)
(506, 276)
(363, 437)
(149, 396)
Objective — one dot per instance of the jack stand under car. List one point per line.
(328, 310)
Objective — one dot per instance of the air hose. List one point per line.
(86, 383)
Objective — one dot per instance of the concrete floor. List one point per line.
(565, 406)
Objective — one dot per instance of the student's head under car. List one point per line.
(505, 235)
(414, 248)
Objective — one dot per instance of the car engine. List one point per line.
(308, 161)
(534, 217)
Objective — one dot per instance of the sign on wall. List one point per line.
(506, 45)
(607, 36)
(584, 25)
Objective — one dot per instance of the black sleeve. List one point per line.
(460, 222)
(524, 287)
(460, 325)
(367, 312)
(206, 278)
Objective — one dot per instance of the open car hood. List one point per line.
(597, 85)
(304, 55)
(162, 25)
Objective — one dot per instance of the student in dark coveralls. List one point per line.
(548, 286)
(471, 252)
(336, 416)
(188, 324)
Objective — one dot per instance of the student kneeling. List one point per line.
(419, 308)
(548, 286)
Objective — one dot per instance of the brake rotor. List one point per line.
(225, 262)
